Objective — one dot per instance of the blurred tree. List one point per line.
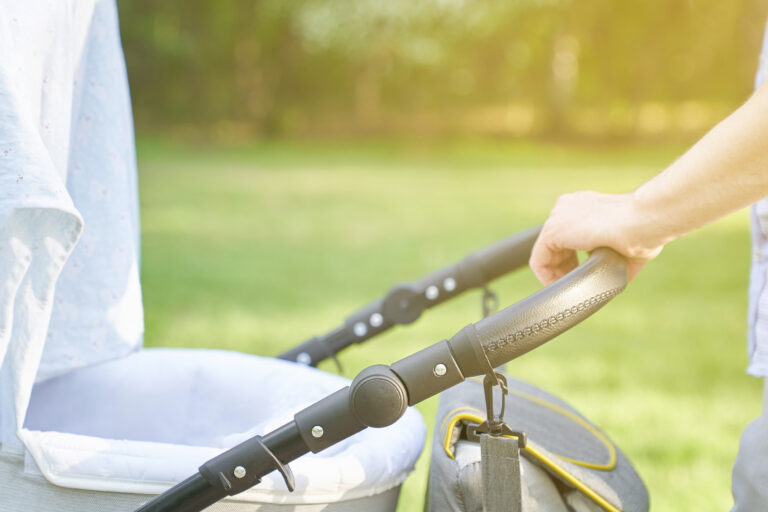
(280, 67)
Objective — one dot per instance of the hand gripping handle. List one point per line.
(553, 310)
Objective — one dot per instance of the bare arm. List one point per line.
(724, 172)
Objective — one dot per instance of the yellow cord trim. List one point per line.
(571, 479)
(592, 430)
(453, 421)
(449, 417)
(536, 453)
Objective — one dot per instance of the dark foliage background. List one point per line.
(330, 67)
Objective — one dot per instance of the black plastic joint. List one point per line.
(428, 372)
(367, 322)
(443, 284)
(328, 421)
(309, 352)
(468, 351)
(403, 304)
(377, 396)
(240, 468)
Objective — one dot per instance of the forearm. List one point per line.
(725, 171)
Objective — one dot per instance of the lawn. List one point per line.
(258, 248)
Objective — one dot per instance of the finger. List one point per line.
(540, 258)
(634, 266)
(565, 261)
(550, 263)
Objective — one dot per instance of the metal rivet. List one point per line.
(317, 431)
(449, 284)
(432, 292)
(239, 472)
(440, 369)
(303, 358)
(376, 320)
(360, 329)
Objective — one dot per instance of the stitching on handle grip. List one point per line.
(552, 320)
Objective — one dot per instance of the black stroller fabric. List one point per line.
(569, 465)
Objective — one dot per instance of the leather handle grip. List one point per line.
(549, 312)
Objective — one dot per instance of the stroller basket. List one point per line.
(567, 463)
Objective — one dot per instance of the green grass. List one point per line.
(258, 248)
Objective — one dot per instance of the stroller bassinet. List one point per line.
(110, 436)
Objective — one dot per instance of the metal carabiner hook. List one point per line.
(488, 386)
(490, 301)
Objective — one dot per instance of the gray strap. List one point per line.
(502, 491)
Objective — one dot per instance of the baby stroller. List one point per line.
(186, 406)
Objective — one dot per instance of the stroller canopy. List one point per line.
(68, 201)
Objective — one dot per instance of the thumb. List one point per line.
(634, 265)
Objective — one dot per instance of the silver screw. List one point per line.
(303, 358)
(360, 329)
(449, 284)
(376, 320)
(432, 292)
(239, 472)
(440, 369)
(317, 431)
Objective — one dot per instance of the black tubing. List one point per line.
(505, 255)
(191, 495)
(196, 493)
(540, 317)
(406, 302)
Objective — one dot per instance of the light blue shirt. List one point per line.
(758, 280)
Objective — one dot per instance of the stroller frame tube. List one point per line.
(405, 302)
(196, 493)
(380, 394)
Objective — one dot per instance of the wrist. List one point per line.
(646, 227)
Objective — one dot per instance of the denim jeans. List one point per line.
(750, 471)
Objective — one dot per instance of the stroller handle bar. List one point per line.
(540, 317)
(380, 394)
(405, 302)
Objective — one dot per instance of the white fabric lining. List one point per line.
(369, 463)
